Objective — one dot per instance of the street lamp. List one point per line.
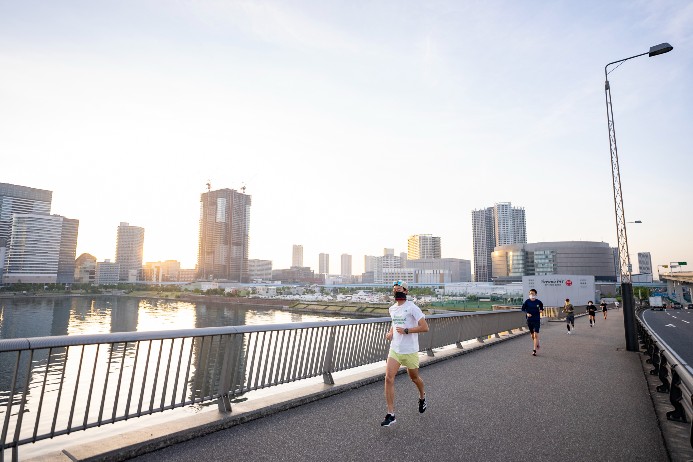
(625, 267)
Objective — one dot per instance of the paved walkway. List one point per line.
(583, 398)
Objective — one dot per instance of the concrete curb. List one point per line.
(132, 444)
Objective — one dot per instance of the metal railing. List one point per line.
(675, 375)
(50, 386)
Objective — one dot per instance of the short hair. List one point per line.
(532, 290)
(590, 301)
(567, 299)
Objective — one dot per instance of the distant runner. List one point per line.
(603, 306)
(569, 311)
(407, 322)
(592, 310)
(533, 307)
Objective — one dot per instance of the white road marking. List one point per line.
(670, 325)
(685, 321)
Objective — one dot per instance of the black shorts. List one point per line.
(570, 318)
(592, 313)
(534, 326)
(604, 310)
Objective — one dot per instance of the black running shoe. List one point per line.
(389, 420)
(534, 352)
(422, 405)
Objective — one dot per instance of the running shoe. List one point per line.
(534, 352)
(389, 420)
(422, 405)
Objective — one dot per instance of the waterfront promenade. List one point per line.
(583, 398)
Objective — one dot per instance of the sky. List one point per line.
(352, 124)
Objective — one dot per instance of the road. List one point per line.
(675, 327)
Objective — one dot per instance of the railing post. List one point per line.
(329, 355)
(663, 374)
(675, 395)
(224, 401)
(431, 334)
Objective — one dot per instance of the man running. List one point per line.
(407, 322)
(592, 310)
(533, 307)
(603, 306)
(569, 311)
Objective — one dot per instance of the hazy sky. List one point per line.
(353, 124)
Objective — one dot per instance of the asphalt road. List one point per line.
(583, 398)
(675, 327)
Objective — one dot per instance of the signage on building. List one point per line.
(553, 289)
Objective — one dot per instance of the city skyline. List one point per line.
(261, 93)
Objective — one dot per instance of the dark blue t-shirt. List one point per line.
(533, 307)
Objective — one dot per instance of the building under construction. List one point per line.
(224, 227)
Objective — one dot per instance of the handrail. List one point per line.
(675, 374)
(51, 386)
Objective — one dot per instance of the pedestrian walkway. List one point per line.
(582, 398)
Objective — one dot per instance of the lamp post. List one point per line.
(625, 267)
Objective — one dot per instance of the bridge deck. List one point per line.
(582, 398)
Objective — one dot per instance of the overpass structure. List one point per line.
(676, 281)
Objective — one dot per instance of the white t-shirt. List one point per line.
(406, 316)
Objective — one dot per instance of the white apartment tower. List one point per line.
(324, 263)
(501, 224)
(423, 246)
(346, 265)
(129, 250)
(297, 256)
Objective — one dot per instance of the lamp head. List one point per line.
(660, 49)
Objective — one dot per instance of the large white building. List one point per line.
(41, 249)
(459, 270)
(259, 270)
(512, 262)
(107, 272)
(423, 246)
(129, 251)
(18, 199)
(501, 224)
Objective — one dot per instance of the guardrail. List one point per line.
(674, 373)
(50, 386)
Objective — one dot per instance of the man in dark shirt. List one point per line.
(592, 310)
(533, 307)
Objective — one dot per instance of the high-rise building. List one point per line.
(297, 256)
(224, 235)
(41, 249)
(129, 250)
(644, 262)
(85, 269)
(501, 224)
(423, 246)
(324, 263)
(346, 265)
(18, 199)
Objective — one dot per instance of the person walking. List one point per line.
(533, 307)
(603, 306)
(569, 311)
(407, 322)
(592, 310)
